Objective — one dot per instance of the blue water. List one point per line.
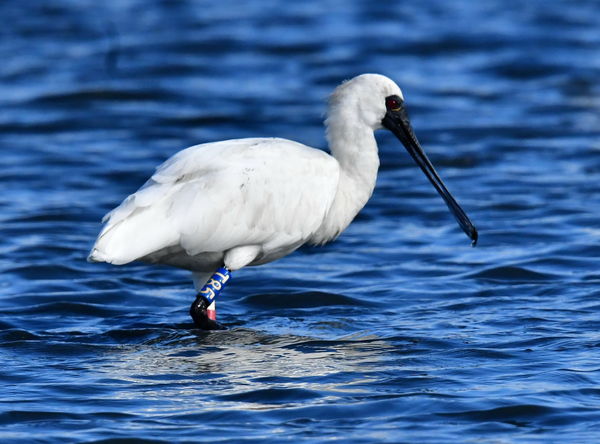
(497, 343)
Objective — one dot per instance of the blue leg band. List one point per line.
(215, 285)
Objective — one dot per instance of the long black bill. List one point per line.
(397, 121)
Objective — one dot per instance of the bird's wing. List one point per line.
(213, 197)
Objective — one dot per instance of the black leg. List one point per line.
(199, 314)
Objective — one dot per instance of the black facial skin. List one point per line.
(397, 121)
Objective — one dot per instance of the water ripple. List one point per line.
(397, 329)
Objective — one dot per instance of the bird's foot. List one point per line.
(199, 312)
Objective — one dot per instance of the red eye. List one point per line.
(392, 103)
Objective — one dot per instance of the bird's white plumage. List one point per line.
(251, 201)
(218, 196)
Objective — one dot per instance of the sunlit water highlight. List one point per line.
(497, 343)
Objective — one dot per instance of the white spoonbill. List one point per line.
(218, 207)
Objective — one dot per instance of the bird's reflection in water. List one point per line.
(246, 369)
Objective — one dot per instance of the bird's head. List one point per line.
(376, 101)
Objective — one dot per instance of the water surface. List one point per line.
(397, 332)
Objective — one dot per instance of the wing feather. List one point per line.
(213, 197)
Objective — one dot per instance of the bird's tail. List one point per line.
(97, 256)
(132, 238)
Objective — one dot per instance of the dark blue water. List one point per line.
(497, 343)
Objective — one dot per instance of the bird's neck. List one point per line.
(355, 149)
(359, 162)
